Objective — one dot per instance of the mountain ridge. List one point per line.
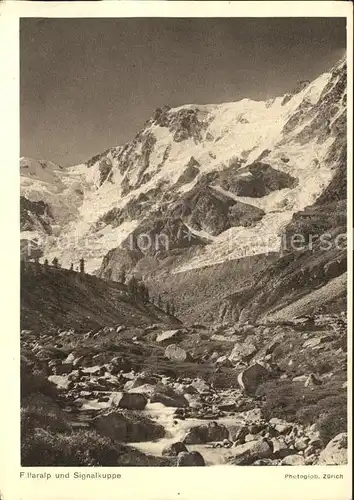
(200, 185)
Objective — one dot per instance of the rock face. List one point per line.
(206, 209)
(250, 378)
(190, 459)
(190, 173)
(129, 401)
(177, 354)
(259, 179)
(336, 451)
(35, 216)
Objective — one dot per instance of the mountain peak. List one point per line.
(247, 150)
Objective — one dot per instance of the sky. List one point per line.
(90, 84)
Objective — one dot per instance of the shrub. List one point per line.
(41, 412)
(323, 405)
(35, 381)
(81, 448)
(333, 417)
(330, 424)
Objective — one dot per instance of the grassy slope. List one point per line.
(329, 293)
(64, 299)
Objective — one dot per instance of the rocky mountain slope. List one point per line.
(264, 160)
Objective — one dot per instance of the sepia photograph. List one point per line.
(183, 249)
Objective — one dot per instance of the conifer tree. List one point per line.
(147, 294)
(143, 292)
(122, 275)
(133, 287)
(37, 266)
(173, 309)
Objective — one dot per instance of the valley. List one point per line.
(184, 295)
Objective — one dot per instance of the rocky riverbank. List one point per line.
(236, 395)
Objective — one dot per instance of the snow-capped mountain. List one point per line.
(228, 177)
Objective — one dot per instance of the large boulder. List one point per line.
(118, 363)
(168, 397)
(223, 361)
(280, 448)
(173, 449)
(70, 358)
(269, 347)
(266, 462)
(141, 379)
(61, 381)
(113, 425)
(185, 388)
(133, 429)
(246, 454)
(200, 385)
(168, 336)
(176, 354)
(242, 352)
(222, 338)
(227, 404)
(301, 443)
(63, 369)
(336, 452)
(251, 416)
(190, 459)
(250, 378)
(280, 425)
(312, 381)
(147, 389)
(238, 432)
(201, 434)
(293, 460)
(129, 401)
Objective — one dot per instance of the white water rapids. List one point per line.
(176, 430)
